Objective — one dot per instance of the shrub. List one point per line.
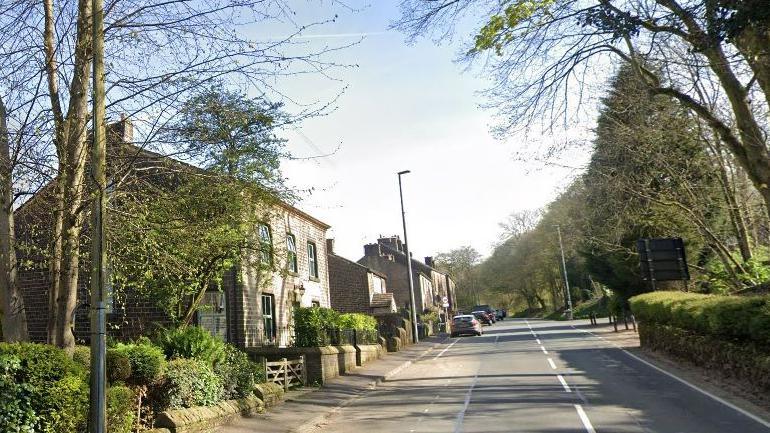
(65, 405)
(82, 357)
(58, 386)
(729, 317)
(121, 409)
(310, 325)
(359, 321)
(238, 373)
(16, 410)
(188, 383)
(146, 360)
(118, 366)
(192, 342)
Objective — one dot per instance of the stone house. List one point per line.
(247, 309)
(388, 257)
(355, 288)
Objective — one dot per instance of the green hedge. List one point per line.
(311, 325)
(43, 390)
(189, 383)
(745, 361)
(727, 317)
(145, 359)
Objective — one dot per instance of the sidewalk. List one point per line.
(303, 411)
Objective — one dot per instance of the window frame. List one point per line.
(268, 332)
(312, 260)
(265, 245)
(292, 261)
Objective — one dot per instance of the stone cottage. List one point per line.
(247, 309)
(355, 288)
(388, 257)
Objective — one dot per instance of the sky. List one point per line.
(405, 107)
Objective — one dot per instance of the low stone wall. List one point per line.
(366, 353)
(206, 418)
(394, 344)
(322, 363)
(346, 358)
(270, 393)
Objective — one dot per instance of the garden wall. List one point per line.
(322, 363)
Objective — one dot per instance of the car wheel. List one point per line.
(478, 334)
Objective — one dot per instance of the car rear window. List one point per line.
(463, 319)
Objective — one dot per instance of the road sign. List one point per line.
(445, 302)
(662, 259)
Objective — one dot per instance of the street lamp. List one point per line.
(564, 269)
(415, 336)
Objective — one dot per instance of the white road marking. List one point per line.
(538, 341)
(584, 419)
(683, 381)
(543, 349)
(550, 361)
(461, 414)
(446, 348)
(497, 337)
(563, 383)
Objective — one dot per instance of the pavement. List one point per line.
(521, 376)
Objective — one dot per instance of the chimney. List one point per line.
(429, 261)
(330, 246)
(372, 250)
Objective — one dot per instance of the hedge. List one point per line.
(311, 325)
(192, 342)
(725, 317)
(741, 360)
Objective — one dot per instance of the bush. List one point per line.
(58, 386)
(728, 317)
(146, 361)
(65, 405)
(192, 342)
(188, 383)
(82, 357)
(16, 410)
(118, 366)
(121, 409)
(238, 374)
(310, 325)
(358, 321)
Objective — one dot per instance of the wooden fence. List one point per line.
(287, 372)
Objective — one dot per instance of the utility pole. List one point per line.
(415, 336)
(564, 269)
(98, 406)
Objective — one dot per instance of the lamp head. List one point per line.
(403, 172)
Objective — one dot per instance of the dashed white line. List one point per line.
(543, 349)
(584, 419)
(563, 383)
(550, 362)
(538, 341)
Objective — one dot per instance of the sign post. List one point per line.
(662, 259)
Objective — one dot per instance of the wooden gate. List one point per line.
(287, 372)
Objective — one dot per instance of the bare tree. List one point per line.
(156, 54)
(544, 54)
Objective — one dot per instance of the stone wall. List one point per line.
(323, 363)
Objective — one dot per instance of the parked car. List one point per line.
(466, 324)
(483, 317)
(499, 315)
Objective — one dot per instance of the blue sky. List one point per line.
(405, 107)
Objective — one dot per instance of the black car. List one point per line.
(482, 317)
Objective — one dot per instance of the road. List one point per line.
(536, 376)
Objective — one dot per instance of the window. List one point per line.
(266, 244)
(268, 322)
(212, 316)
(312, 260)
(291, 252)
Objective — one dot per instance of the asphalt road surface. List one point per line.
(537, 376)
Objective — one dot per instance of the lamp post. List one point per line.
(415, 336)
(564, 269)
